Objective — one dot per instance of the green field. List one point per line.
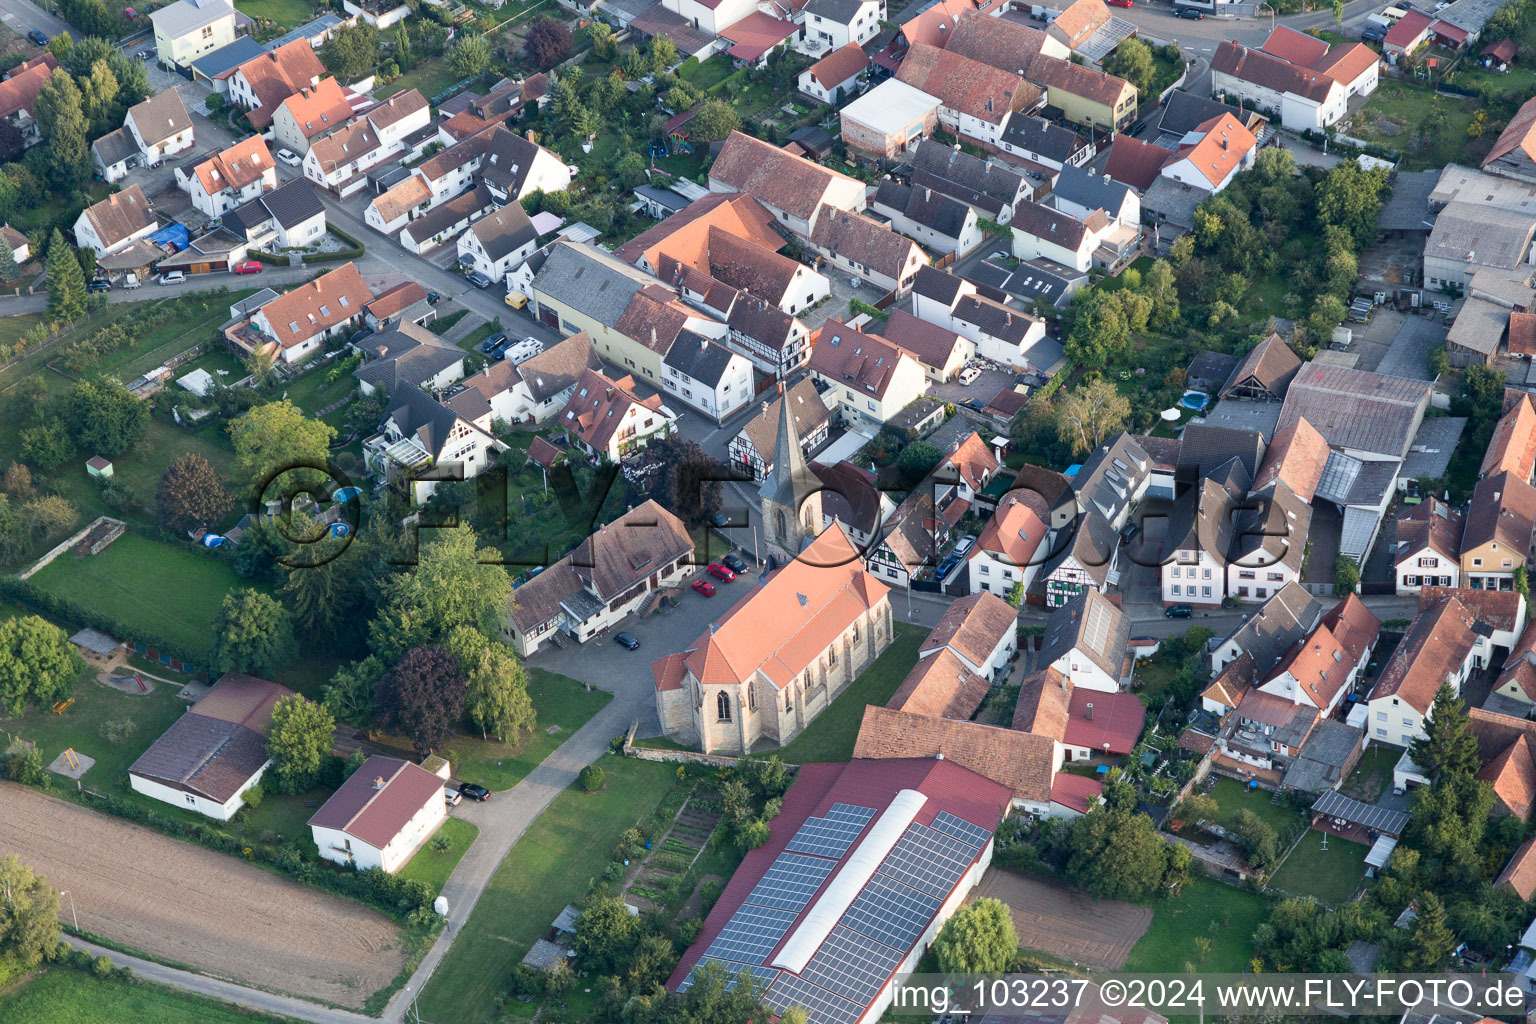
(560, 701)
(553, 864)
(831, 736)
(59, 996)
(1222, 913)
(432, 867)
(286, 13)
(168, 591)
(1331, 875)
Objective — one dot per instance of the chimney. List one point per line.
(608, 393)
(378, 782)
(1088, 712)
(1107, 179)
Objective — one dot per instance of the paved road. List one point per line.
(21, 15)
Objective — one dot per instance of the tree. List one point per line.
(1197, 807)
(422, 697)
(105, 417)
(470, 55)
(1159, 286)
(715, 120)
(592, 778)
(455, 583)
(547, 43)
(604, 46)
(349, 694)
(18, 480)
(1090, 413)
(606, 933)
(1522, 582)
(1016, 595)
(8, 269)
(1346, 575)
(326, 596)
(1098, 333)
(46, 445)
(1132, 61)
(12, 145)
(1447, 746)
(917, 461)
(37, 664)
(277, 436)
(662, 54)
(1118, 854)
(631, 170)
(496, 686)
(1350, 198)
(688, 484)
(252, 633)
(61, 122)
(352, 51)
(29, 918)
(190, 494)
(299, 739)
(66, 285)
(1430, 938)
(98, 97)
(978, 939)
(1258, 840)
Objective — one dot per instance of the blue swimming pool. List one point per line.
(1195, 400)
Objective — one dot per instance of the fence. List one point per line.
(1178, 83)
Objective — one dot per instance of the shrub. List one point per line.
(102, 967)
(253, 796)
(26, 767)
(119, 730)
(592, 779)
(440, 843)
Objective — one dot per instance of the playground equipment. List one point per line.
(72, 759)
(132, 677)
(63, 706)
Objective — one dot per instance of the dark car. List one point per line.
(1178, 611)
(1129, 533)
(99, 284)
(1189, 13)
(720, 519)
(627, 640)
(947, 566)
(478, 279)
(489, 345)
(432, 298)
(37, 37)
(359, 336)
(473, 791)
(736, 565)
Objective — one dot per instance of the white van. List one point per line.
(173, 277)
(968, 376)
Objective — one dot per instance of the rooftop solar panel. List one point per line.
(821, 1006)
(750, 935)
(764, 975)
(851, 813)
(962, 830)
(824, 837)
(929, 861)
(852, 965)
(894, 914)
(790, 882)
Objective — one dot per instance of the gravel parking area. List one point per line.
(180, 903)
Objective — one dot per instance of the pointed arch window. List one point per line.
(723, 706)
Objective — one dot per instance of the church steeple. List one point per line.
(790, 494)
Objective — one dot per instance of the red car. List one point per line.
(704, 587)
(720, 572)
(1118, 3)
(248, 267)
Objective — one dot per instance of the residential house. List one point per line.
(215, 752)
(986, 36)
(739, 684)
(1496, 540)
(18, 94)
(443, 223)
(795, 190)
(989, 188)
(404, 303)
(1265, 373)
(981, 630)
(1517, 679)
(774, 341)
(868, 379)
(229, 178)
(188, 29)
(1512, 448)
(1209, 157)
(1006, 555)
(289, 216)
(1094, 240)
(888, 120)
(1076, 561)
(1428, 546)
(421, 443)
(341, 160)
(999, 332)
(160, 125)
(1078, 24)
(743, 265)
(1200, 535)
(976, 99)
(707, 375)
(1088, 97)
(396, 207)
(1320, 669)
(837, 24)
(261, 84)
(299, 320)
(1290, 614)
(753, 446)
(1087, 640)
(941, 351)
(312, 113)
(532, 391)
(939, 222)
(1440, 647)
(497, 242)
(411, 354)
(1113, 480)
(1266, 731)
(860, 246)
(1304, 99)
(608, 420)
(579, 288)
(116, 222)
(835, 78)
(452, 171)
(1408, 34)
(514, 167)
(1043, 147)
(381, 815)
(21, 248)
(113, 154)
(850, 498)
(1500, 614)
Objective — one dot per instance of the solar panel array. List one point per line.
(825, 837)
(821, 1006)
(765, 975)
(962, 830)
(928, 861)
(891, 913)
(851, 812)
(790, 882)
(750, 935)
(851, 965)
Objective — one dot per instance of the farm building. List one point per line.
(380, 815)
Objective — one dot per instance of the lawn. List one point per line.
(1225, 914)
(430, 79)
(432, 867)
(707, 74)
(553, 864)
(285, 13)
(471, 340)
(562, 704)
(13, 327)
(1232, 796)
(169, 591)
(59, 996)
(1331, 875)
(1392, 118)
(1371, 777)
(832, 734)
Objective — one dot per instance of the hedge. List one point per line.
(52, 606)
(356, 252)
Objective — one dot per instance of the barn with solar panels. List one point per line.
(863, 866)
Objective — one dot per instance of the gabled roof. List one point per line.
(236, 167)
(809, 413)
(275, 76)
(1134, 162)
(1437, 643)
(997, 42)
(177, 19)
(590, 281)
(1512, 775)
(1091, 546)
(121, 215)
(396, 108)
(1410, 28)
(623, 553)
(1013, 534)
(1513, 446)
(304, 311)
(1019, 760)
(756, 34)
(987, 186)
(972, 460)
(1295, 456)
(925, 207)
(473, 400)
(931, 344)
(1091, 624)
(1519, 873)
(1081, 19)
(1221, 150)
(19, 91)
(408, 353)
(684, 235)
(1347, 62)
(863, 241)
(402, 198)
(700, 359)
(1261, 69)
(290, 204)
(318, 109)
(1355, 408)
(1205, 447)
(850, 496)
(1318, 664)
(1297, 47)
(505, 231)
(1271, 365)
(773, 176)
(599, 405)
(509, 159)
(1086, 83)
(1430, 524)
(935, 24)
(347, 144)
(378, 800)
(1502, 510)
(161, 117)
(559, 366)
(968, 86)
(1354, 626)
(112, 148)
(840, 65)
(972, 627)
(1032, 134)
(1183, 112)
(941, 685)
(862, 362)
(1499, 609)
(1106, 723)
(1289, 614)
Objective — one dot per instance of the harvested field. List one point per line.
(1065, 922)
(177, 902)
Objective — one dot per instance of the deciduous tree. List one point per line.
(496, 685)
(422, 697)
(106, 417)
(190, 494)
(274, 437)
(454, 583)
(350, 693)
(470, 55)
(1089, 414)
(606, 934)
(547, 43)
(299, 739)
(352, 51)
(37, 664)
(978, 939)
(715, 120)
(29, 918)
(252, 633)
(1132, 61)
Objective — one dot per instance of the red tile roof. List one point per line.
(1134, 162)
(1116, 724)
(1409, 30)
(1297, 47)
(1354, 625)
(1295, 456)
(968, 86)
(303, 312)
(1081, 19)
(756, 34)
(934, 25)
(1221, 151)
(1078, 792)
(940, 685)
(1270, 72)
(1347, 62)
(840, 65)
(1520, 873)
(1436, 644)
(318, 109)
(19, 92)
(1513, 445)
(1019, 760)
(275, 76)
(379, 799)
(1512, 774)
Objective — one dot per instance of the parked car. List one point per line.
(1189, 14)
(704, 587)
(720, 572)
(1178, 611)
(968, 376)
(737, 566)
(493, 342)
(40, 38)
(974, 404)
(248, 267)
(627, 640)
(947, 566)
(966, 543)
(288, 157)
(720, 519)
(1129, 533)
(478, 279)
(173, 277)
(452, 797)
(432, 298)
(98, 284)
(473, 791)
(1118, 3)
